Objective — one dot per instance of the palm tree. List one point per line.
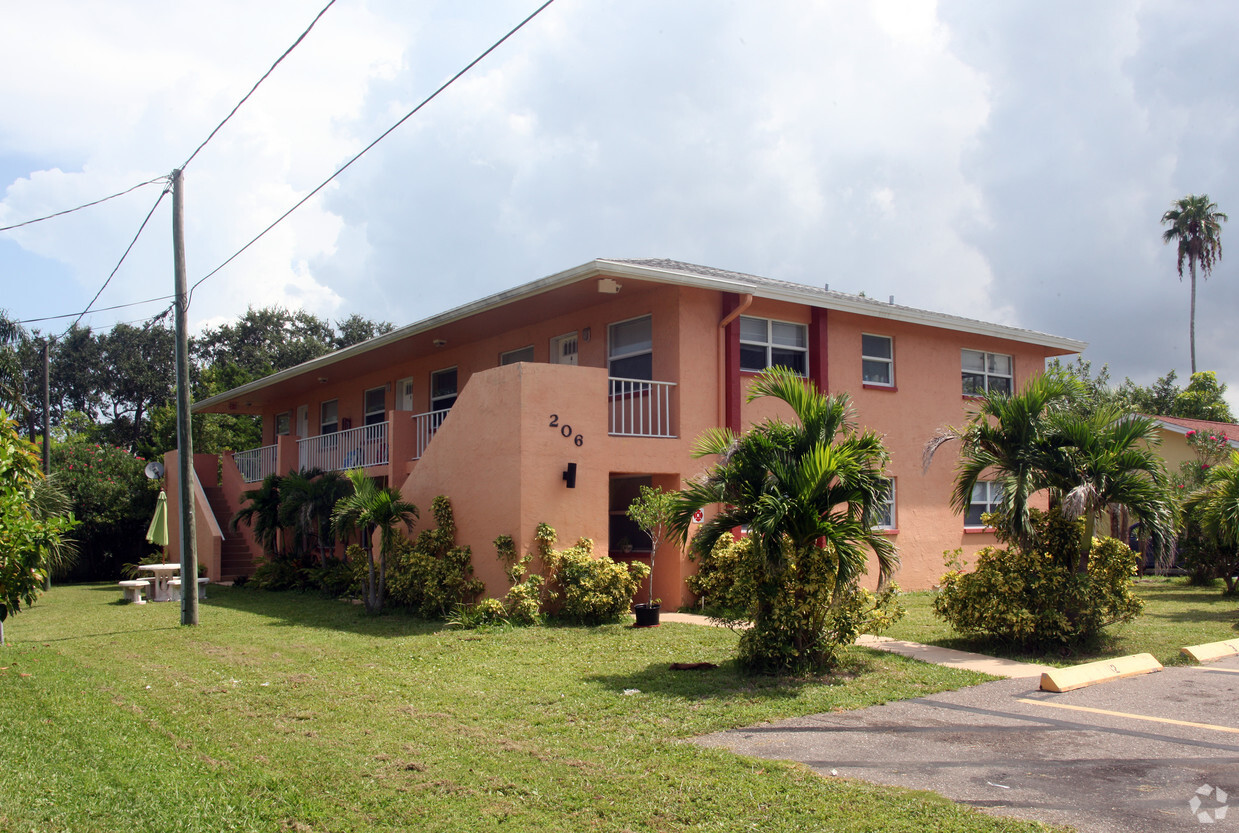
(1105, 461)
(809, 494)
(1216, 504)
(368, 509)
(1034, 441)
(307, 499)
(1195, 226)
(262, 513)
(1005, 441)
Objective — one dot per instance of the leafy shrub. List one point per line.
(805, 623)
(113, 501)
(484, 613)
(432, 576)
(1035, 598)
(719, 584)
(588, 590)
(523, 603)
(281, 571)
(335, 578)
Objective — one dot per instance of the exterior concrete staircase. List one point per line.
(236, 559)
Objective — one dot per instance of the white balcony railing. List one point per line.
(256, 463)
(640, 408)
(425, 425)
(349, 449)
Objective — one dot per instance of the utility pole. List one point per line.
(47, 433)
(184, 428)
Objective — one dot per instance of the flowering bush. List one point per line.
(113, 500)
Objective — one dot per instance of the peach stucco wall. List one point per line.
(207, 532)
(500, 460)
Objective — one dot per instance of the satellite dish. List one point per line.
(154, 470)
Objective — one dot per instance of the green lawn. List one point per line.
(283, 712)
(1175, 615)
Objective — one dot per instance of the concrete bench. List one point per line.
(174, 587)
(133, 590)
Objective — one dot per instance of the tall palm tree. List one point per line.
(369, 509)
(1005, 441)
(803, 490)
(1195, 227)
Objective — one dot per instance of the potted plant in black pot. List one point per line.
(651, 511)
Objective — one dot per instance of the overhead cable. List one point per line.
(367, 148)
(256, 85)
(84, 205)
(128, 249)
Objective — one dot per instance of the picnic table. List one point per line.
(163, 573)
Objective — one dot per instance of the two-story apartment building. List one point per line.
(553, 401)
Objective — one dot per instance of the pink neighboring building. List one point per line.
(553, 401)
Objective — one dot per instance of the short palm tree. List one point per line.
(369, 509)
(1216, 505)
(262, 514)
(308, 498)
(809, 495)
(1195, 228)
(1005, 441)
(1105, 461)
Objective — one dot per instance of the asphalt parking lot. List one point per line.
(1157, 752)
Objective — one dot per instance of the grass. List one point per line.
(1175, 615)
(283, 712)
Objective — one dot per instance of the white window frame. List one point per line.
(613, 354)
(436, 399)
(335, 416)
(888, 361)
(987, 374)
(891, 521)
(367, 413)
(521, 354)
(769, 346)
(990, 501)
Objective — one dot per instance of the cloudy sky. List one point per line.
(1005, 161)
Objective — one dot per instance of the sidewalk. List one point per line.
(925, 653)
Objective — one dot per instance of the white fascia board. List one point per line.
(620, 269)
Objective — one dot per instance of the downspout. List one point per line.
(746, 301)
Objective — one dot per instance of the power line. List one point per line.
(100, 309)
(287, 51)
(85, 205)
(158, 179)
(128, 249)
(367, 148)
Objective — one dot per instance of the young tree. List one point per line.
(262, 513)
(369, 509)
(307, 499)
(810, 494)
(652, 512)
(1196, 230)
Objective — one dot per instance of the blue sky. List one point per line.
(1006, 161)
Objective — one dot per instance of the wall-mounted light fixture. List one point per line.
(570, 475)
(440, 342)
(586, 334)
(609, 286)
(322, 380)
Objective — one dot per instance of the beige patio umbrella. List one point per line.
(157, 532)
